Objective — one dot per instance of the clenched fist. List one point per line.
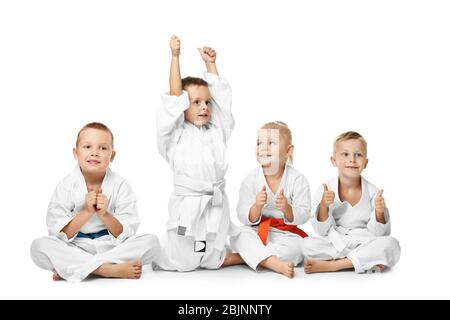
(208, 54)
(91, 201)
(102, 203)
(175, 46)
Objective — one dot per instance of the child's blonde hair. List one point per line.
(98, 126)
(284, 131)
(350, 135)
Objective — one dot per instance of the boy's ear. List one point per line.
(366, 163)
(74, 150)
(290, 150)
(333, 161)
(113, 155)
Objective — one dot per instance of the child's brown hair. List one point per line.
(193, 81)
(98, 126)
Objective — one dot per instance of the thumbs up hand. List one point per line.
(281, 202)
(261, 198)
(380, 205)
(327, 197)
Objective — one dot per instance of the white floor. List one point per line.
(237, 282)
(422, 273)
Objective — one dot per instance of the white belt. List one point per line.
(209, 193)
(185, 186)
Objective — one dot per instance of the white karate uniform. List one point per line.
(74, 259)
(198, 207)
(283, 244)
(352, 231)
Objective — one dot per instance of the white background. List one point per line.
(378, 67)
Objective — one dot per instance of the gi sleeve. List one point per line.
(301, 202)
(247, 198)
(169, 121)
(221, 95)
(60, 212)
(126, 212)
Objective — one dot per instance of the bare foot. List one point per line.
(284, 267)
(56, 276)
(232, 259)
(128, 270)
(376, 268)
(313, 266)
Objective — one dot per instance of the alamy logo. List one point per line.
(200, 246)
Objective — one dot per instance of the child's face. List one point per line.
(272, 149)
(350, 158)
(94, 151)
(199, 111)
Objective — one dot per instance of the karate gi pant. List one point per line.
(282, 244)
(179, 253)
(364, 252)
(76, 260)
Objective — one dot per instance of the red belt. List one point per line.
(266, 223)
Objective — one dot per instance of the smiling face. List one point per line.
(199, 111)
(272, 148)
(350, 157)
(94, 151)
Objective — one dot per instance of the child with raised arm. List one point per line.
(351, 216)
(274, 198)
(92, 218)
(193, 127)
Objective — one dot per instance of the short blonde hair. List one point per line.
(284, 131)
(98, 126)
(350, 135)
